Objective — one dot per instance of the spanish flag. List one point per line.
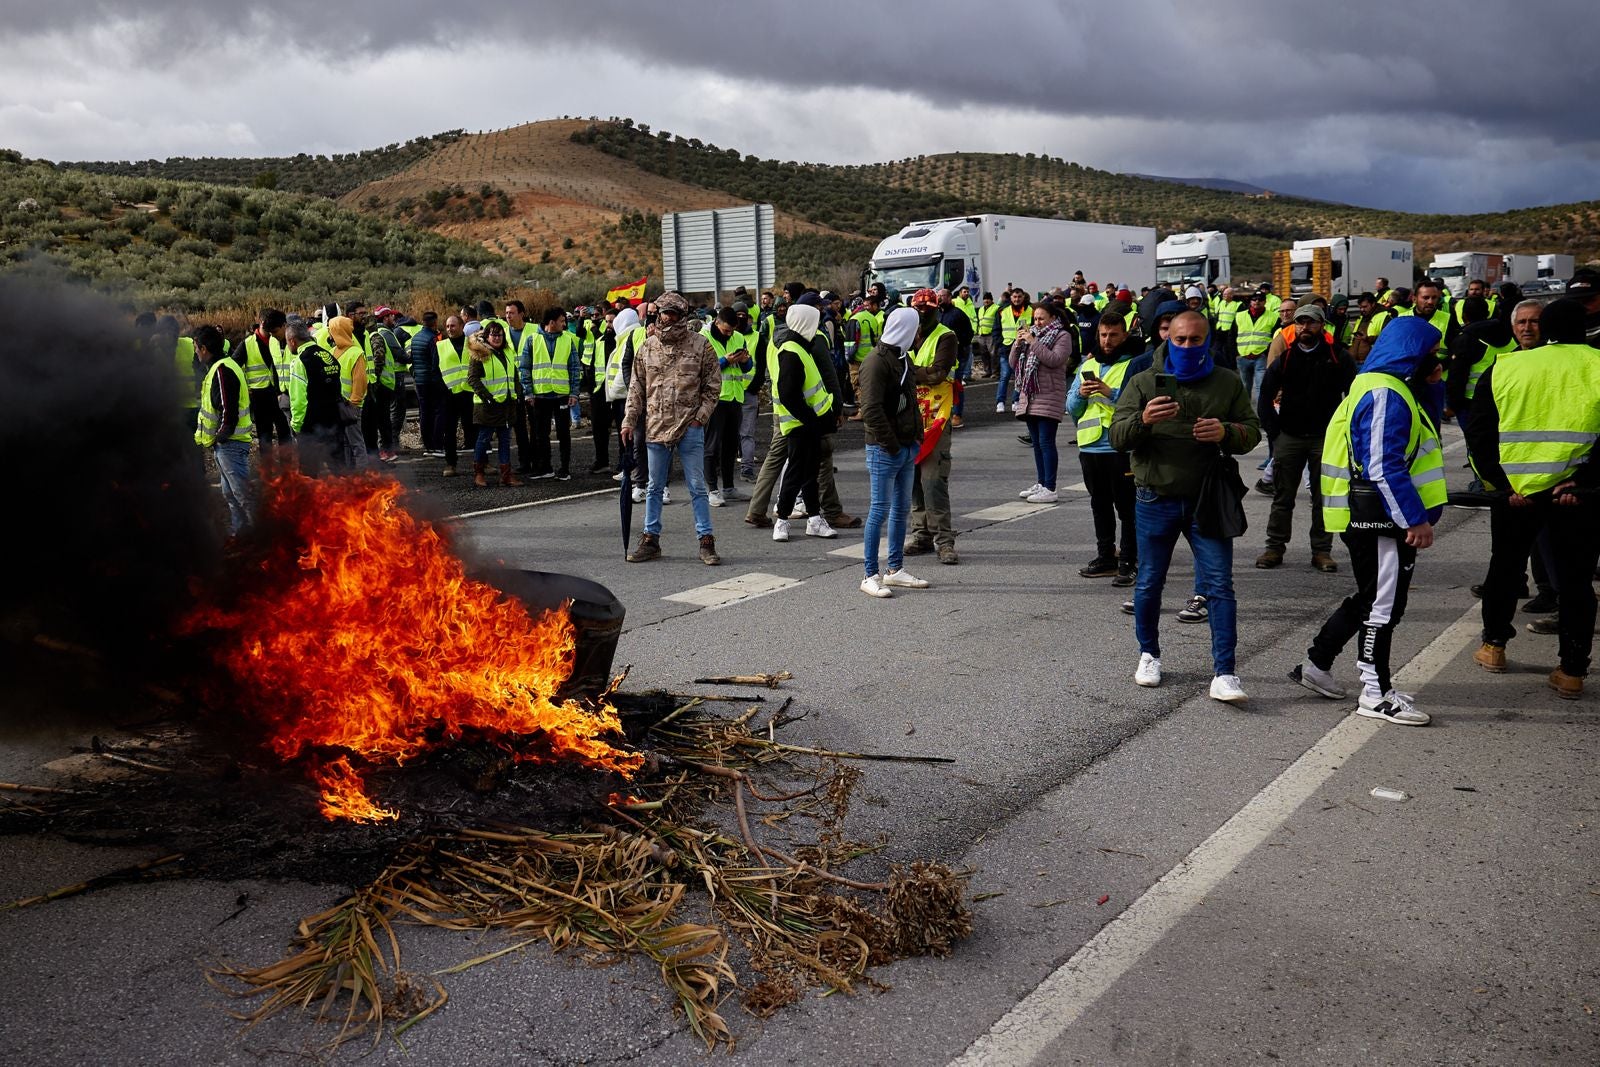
(633, 292)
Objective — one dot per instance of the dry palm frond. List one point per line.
(619, 889)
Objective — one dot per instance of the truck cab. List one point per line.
(928, 255)
(1185, 259)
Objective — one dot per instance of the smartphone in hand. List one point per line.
(1166, 383)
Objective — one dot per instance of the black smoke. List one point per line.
(111, 518)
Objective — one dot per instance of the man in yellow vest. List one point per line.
(454, 367)
(1382, 490)
(224, 426)
(1535, 421)
(868, 328)
(1427, 305)
(935, 354)
(1254, 326)
(722, 432)
(984, 341)
(263, 357)
(804, 409)
(550, 367)
(1016, 314)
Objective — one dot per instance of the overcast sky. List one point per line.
(1409, 106)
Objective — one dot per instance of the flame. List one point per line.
(359, 630)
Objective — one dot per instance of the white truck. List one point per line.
(986, 252)
(1554, 266)
(1185, 259)
(1520, 268)
(1456, 269)
(1357, 263)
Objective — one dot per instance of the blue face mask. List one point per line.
(1190, 363)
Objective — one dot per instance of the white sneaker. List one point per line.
(1149, 672)
(1227, 688)
(904, 579)
(638, 495)
(1395, 707)
(799, 512)
(1032, 489)
(617, 477)
(714, 498)
(871, 586)
(999, 407)
(1043, 496)
(666, 495)
(1317, 680)
(780, 529)
(817, 526)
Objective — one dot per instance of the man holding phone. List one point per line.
(1091, 402)
(1172, 424)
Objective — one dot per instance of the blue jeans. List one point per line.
(1160, 520)
(1250, 374)
(481, 452)
(233, 464)
(891, 501)
(691, 449)
(1002, 394)
(1045, 457)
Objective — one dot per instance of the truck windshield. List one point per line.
(1300, 274)
(909, 279)
(1448, 272)
(1177, 271)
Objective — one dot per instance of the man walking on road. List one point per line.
(1383, 489)
(674, 389)
(1173, 424)
(1299, 394)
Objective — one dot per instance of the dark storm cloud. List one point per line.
(1499, 66)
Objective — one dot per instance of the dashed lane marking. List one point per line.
(731, 591)
(1020, 509)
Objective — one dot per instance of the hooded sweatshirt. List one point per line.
(802, 321)
(342, 334)
(890, 414)
(626, 321)
(1380, 425)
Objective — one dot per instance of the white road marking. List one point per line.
(733, 590)
(535, 503)
(1019, 509)
(1075, 487)
(853, 551)
(1023, 1034)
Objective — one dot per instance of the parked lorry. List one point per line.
(1554, 266)
(1456, 269)
(1355, 264)
(1520, 268)
(1184, 259)
(986, 252)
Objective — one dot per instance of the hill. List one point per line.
(188, 246)
(1221, 185)
(331, 176)
(874, 200)
(564, 202)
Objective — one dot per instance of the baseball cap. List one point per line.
(1086, 301)
(383, 309)
(1310, 311)
(1584, 283)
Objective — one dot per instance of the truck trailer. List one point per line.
(1184, 259)
(1555, 266)
(985, 252)
(1357, 263)
(1456, 269)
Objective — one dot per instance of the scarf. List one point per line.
(1190, 363)
(1029, 371)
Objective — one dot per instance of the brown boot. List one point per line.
(649, 548)
(477, 475)
(844, 521)
(1272, 557)
(1567, 686)
(1324, 562)
(708, 551)
(1491, 657)
(507, 477)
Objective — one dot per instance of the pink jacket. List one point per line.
(1049, 400)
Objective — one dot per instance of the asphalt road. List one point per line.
(1260, 904)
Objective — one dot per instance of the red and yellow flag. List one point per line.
(633, 291)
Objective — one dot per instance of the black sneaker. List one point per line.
(1195, 610)
(1264, 487)
(563, 475)
(1543, 604)
(1024, 438)
(1099, 567)
(1549, 624)
(1477, 591)
(1126, 574)
(541, 477)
